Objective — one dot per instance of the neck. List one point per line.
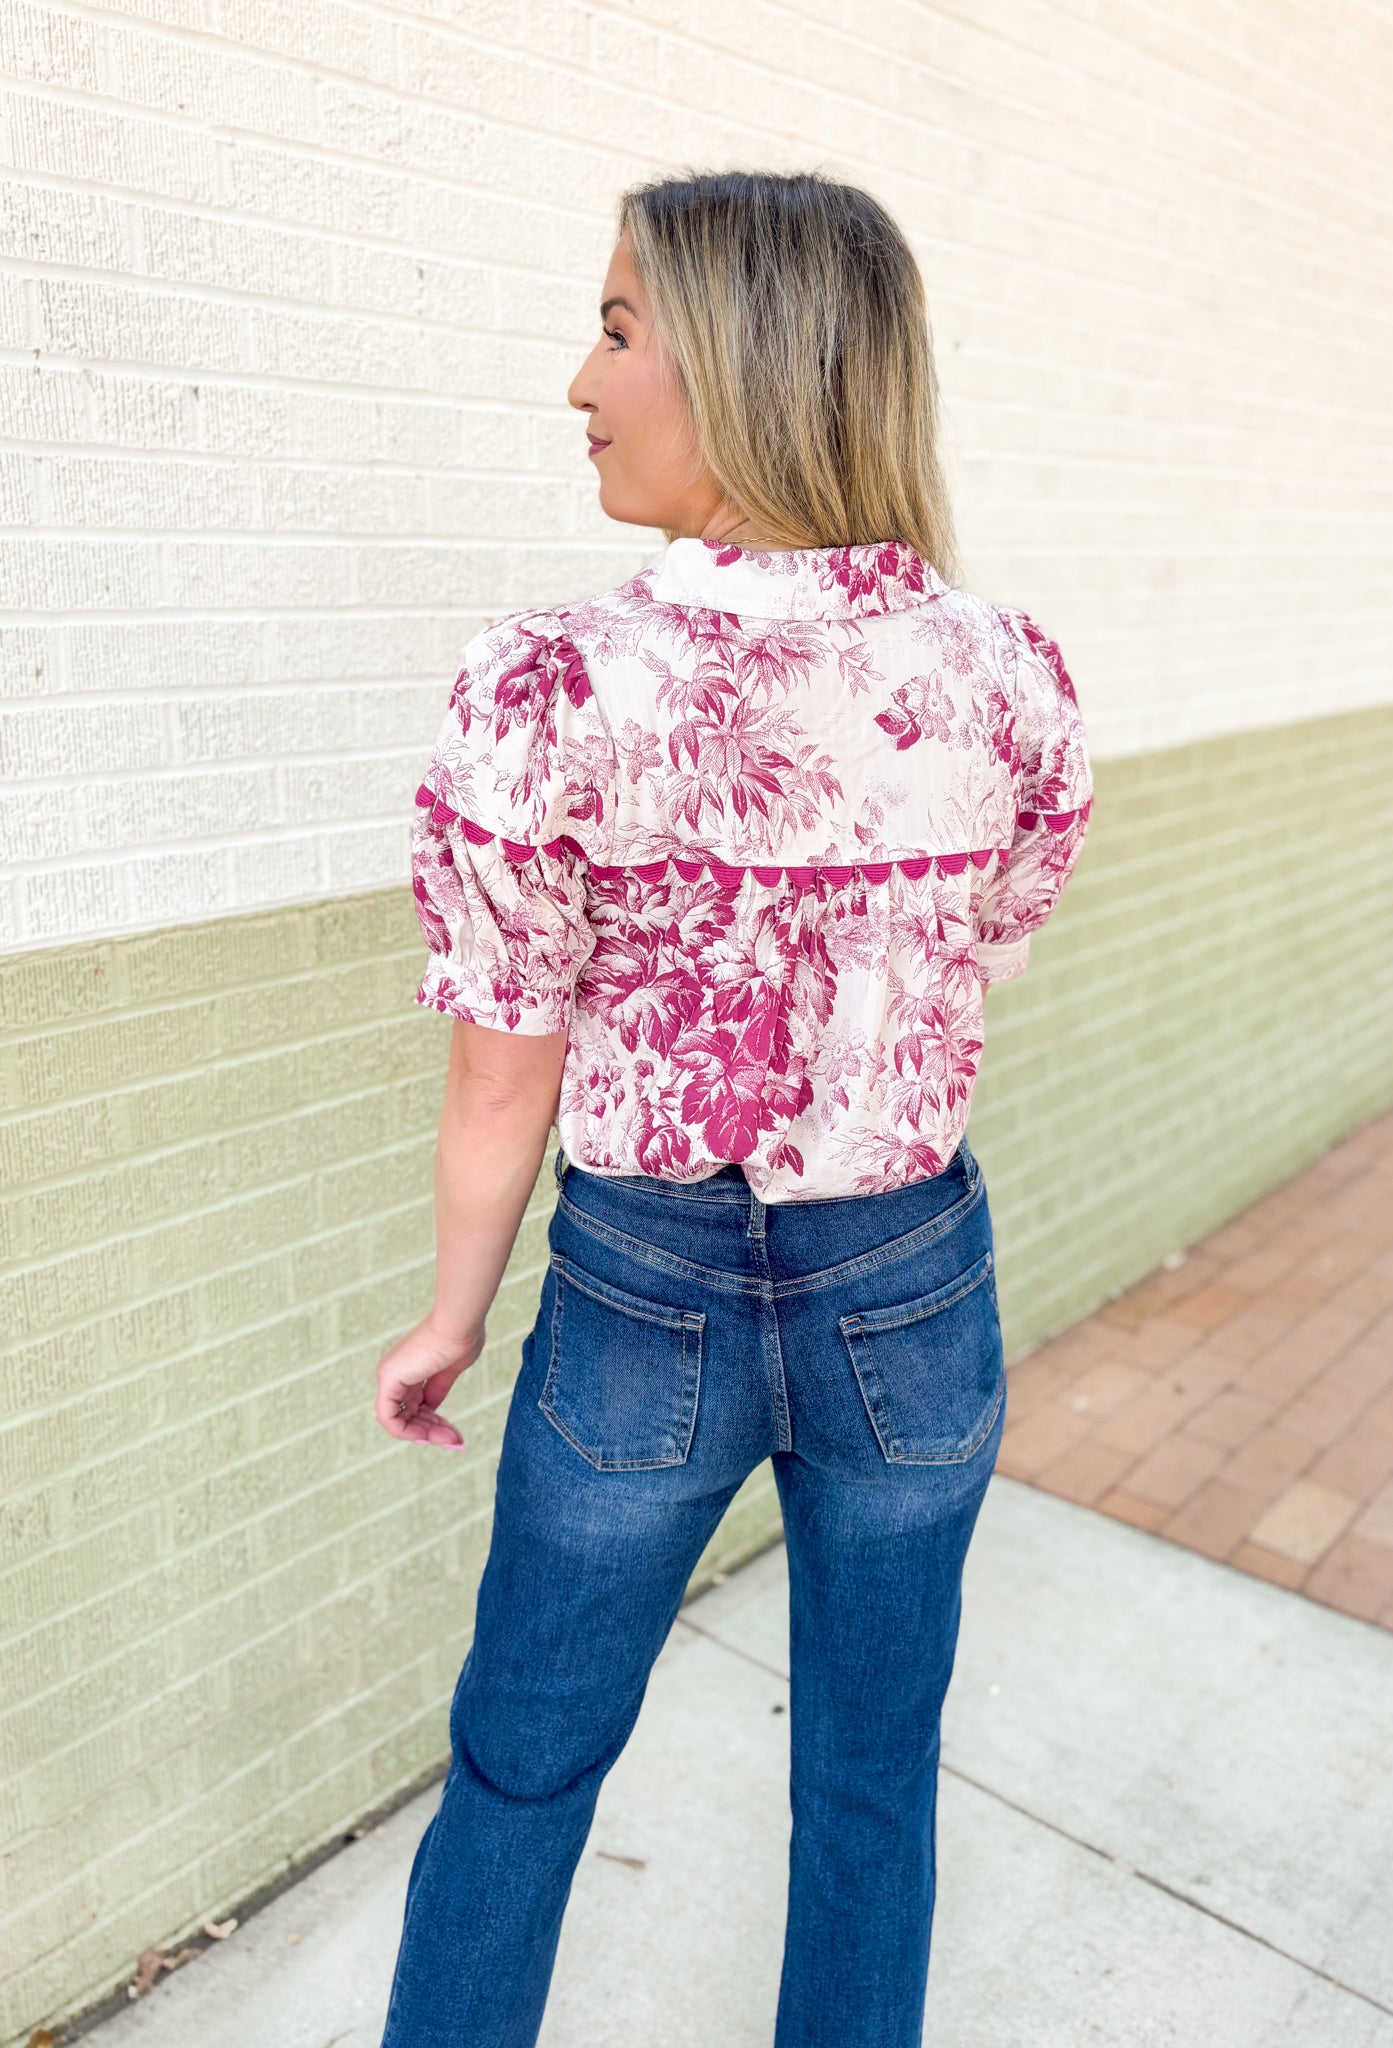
(729, 526)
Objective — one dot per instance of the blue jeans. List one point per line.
(684, 1335)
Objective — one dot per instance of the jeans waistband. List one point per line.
(728, 1184)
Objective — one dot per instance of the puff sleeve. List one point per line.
(1055, 797)
(517, 800)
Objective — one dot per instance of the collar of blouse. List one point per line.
(862, 580)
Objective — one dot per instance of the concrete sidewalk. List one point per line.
(1166, 1821)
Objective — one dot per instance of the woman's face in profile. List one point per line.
(642, 441)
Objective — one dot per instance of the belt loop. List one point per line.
(561, 1164)
(757, 1214)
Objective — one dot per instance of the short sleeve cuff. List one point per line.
(526, 1015)
(1002, 960)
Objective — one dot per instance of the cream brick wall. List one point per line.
(291, 291)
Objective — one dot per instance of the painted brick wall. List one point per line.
(291, 290)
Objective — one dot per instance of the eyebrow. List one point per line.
(608, 305)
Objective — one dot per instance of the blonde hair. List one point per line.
(792, 310)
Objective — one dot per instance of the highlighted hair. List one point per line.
(792, 312)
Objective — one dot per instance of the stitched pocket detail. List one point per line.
(624, 1375)
(931, 1371)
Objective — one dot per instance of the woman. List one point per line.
(712, 869)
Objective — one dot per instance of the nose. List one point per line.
(582, 386)
(576, 391)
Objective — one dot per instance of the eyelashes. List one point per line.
(616, 337)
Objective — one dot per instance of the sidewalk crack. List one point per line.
(1172, 1891)
(1106, 1855)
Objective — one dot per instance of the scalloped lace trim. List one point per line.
(692, 865)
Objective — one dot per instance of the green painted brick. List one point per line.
(218, 1150)
(55, 1582)
(51, 1369)
(384, 1179)
(54, 1142)
(162, 1324)
(368, 928)
(395, 1235)
(171, 967)
(41, 990)
(41, 1297)
(88, 1059)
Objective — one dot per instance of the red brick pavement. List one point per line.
(1239, 1400)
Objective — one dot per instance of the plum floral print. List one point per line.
(755, 829)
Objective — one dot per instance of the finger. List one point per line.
(444, 1434)
(396, 1395)
(434, 1390)
(405, 1415)
(391, 1410)
(429, 1428)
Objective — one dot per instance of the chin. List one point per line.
(628, 509)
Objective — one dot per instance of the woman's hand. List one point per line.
(414, 1378)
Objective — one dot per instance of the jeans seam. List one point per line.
(726, 1197)
(884, 1255)
(602, 1464)
(769, 1337)
(718, 1277)
(906, 1314)
(692, 1324)
(731, 1196)
(884, 1436)
(728, 1282)
(971, 1450)
(626, 1304)
(673, 1191)
(872, 1394)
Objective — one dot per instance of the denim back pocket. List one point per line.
(624, 1374)
(932, 1373)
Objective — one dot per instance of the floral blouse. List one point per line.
(754, 829)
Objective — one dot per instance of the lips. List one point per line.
(596, 444)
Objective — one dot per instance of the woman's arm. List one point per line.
(500, 1101)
